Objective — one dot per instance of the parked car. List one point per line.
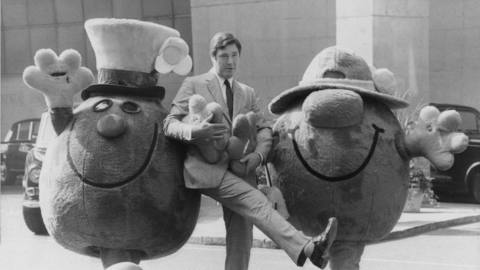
(13, 150)
(464, 176)
(33, 165)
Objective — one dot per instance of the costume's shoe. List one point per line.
(322, 243)
(124, 266)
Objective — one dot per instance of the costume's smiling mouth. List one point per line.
(321, 176)
(58, 74)
(127, 180)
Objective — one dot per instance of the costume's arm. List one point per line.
(264, 143)
(264, 132)
(58, 91)
(172, 125)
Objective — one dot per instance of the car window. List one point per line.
(469, 121)
(35, 126)
(9, 135)
(23, 131)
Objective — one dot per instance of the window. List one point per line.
(23, 131)
(469, 121)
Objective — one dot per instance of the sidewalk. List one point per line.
(210, 229)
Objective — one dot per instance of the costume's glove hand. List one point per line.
(59, 78)
(251, 161)
(435, 136)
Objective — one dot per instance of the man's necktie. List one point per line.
(229, 94)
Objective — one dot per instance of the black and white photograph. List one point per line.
(240, 135)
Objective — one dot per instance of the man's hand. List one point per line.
(208, 131)
(252, 161)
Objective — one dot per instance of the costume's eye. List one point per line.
(102, 105)
(130, 107)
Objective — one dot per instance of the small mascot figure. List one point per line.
(241, 142)
(342, 152)
(111, 183)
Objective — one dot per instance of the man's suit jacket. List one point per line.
(197, 172)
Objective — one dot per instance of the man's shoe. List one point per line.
(322, 243)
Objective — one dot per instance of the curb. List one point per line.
(395, 235)
(421, 229)
(220, 241)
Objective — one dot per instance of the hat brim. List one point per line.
(285, 99)
(120, 90)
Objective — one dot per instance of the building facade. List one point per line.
(433, 46)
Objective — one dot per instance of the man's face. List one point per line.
(226, 60)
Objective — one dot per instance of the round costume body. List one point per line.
(111, 180)
(341, 152)
(369, 203)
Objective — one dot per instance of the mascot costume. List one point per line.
(241, 142)
(340, 151)
(112, 184)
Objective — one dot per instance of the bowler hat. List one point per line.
(339, 68)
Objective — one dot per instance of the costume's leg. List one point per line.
(238, 240)
(113, 256)
(346, 255)
(250, 203)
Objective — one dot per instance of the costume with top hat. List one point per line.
(112, 184)
(342, 152)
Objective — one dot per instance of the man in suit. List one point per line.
(242, 203)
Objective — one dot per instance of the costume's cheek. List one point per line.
(333, 108)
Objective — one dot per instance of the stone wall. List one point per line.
(432, 46)
(390, 34)
(279, 38)
(455, 52)
(28, 25)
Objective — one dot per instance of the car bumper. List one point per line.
(446, 184)
(31, 204)
(31, 198)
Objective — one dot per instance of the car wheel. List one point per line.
(10, 178)
(475, 186)
(33, 220)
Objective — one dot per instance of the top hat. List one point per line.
(338, 68)
(130, 54)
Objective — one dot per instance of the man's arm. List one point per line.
(173, 126)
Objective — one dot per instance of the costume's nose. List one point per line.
(333, 108)
(111, 126)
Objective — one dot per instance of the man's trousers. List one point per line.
(250, 203)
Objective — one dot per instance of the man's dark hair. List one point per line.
(221, 40)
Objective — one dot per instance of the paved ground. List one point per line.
(452, 248)
(210, 229)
